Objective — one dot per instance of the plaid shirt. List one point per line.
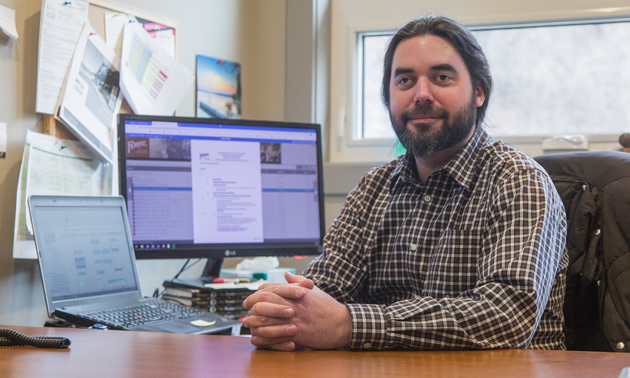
(474, 258)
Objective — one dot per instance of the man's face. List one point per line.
(433, 105)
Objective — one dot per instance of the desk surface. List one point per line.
(125, 354)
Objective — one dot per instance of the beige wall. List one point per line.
(251, 32)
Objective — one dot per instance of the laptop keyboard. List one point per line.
(139, 314)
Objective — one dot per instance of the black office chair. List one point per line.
(595, 189)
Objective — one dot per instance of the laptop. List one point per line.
(88, 269)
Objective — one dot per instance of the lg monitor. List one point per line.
(215, 188)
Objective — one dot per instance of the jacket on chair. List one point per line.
(595, 189)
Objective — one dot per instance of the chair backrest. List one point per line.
(595, 189)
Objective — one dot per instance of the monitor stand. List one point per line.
(212, 269)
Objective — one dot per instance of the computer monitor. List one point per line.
(216, 188)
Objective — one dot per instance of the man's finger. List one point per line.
(270, 310)
(292, 278)
(269, 296)
(286, 291)
(273, 334)
(255, 321)
(286, 346)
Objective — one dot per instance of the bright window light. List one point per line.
(549, 79)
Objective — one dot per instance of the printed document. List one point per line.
(91, 97)
(115, 24)
(151, 80)
(54, 166)
(59, 30)
(227, 191)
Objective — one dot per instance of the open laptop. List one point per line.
(88, 269)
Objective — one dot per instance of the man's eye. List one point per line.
(404, 81)
(443, 78)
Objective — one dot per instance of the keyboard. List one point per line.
(130, 316)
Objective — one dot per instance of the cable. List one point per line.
(9, 337)
(186, 267)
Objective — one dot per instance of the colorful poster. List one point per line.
(218, 88)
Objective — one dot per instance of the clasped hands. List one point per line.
(296, 314)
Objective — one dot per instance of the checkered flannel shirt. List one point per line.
(474, 258)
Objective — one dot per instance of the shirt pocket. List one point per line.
(453, 263)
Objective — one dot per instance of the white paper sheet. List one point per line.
(151, 80)
(54, 166)
(7, 22)
(163, 35)
(60, 26)
(91, 97)
(114, 26)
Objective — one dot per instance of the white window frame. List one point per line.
(352, 16)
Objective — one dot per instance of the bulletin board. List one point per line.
(96, 16)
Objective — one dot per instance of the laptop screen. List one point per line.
(84, 247)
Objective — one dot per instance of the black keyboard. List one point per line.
(137, 314)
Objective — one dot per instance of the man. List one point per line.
(457, 244)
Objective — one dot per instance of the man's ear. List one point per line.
(480, 95)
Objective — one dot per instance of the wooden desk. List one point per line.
(96, 353)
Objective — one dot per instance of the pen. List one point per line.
(226, 280)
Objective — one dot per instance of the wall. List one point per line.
(251, 32)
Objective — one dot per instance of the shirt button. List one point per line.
(427, 198)
(367, 346)
(413, 247)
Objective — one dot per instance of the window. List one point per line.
(551, 78)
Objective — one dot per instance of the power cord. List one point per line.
(9, 337)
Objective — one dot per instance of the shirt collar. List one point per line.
(461, 168)
(464, 165)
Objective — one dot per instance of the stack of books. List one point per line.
(188, 297)
(225, 299)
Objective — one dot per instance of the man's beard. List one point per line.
(453, 130)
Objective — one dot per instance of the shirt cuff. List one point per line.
(368, 327)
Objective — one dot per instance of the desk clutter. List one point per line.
(223, 298)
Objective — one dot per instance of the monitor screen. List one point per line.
(216, 188)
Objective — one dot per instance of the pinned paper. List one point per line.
(52, 165)
(59, 31)
(152, 81)
(7, 22)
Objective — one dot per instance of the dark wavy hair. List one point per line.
(459, 37)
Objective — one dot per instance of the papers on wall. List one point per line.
(60, 26)
(115, 24)
(91, 97)
(3, 140)
(163, 35)
(7, 22)
(54, 166)
(151, 80)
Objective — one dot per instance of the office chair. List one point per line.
(595, 189)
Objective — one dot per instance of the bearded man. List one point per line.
(458, 244)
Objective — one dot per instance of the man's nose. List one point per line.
(423, 94)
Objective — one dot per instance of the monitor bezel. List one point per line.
(228, 250)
